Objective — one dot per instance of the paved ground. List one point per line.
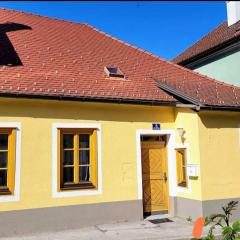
(142, 230)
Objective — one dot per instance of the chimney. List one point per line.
(233, 12)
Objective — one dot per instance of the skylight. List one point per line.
(114, 72)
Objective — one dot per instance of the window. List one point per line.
(78, 159)
(7, 160)
(181, 167)
(114, 72)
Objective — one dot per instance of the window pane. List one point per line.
(67, 174)
(83, 157)
(181, 168)
(3, 159)
(3, 141)
(68, 140)
(68, 157)
(84, 174)
(3, 178)
(84, 141)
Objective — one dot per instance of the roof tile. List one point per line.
(217, 37)
(65, 59)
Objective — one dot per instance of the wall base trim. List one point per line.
(184, 207)
(23, 222)
(215, 206)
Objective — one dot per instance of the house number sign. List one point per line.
(156, 126)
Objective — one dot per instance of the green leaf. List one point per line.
(207, 221)
(230, 207)
(236, 226)
(210, 238)
(227, 230)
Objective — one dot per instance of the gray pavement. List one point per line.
(142, 230)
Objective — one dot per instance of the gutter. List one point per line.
(221, 108)
(211, 108)
(90, 99)
(190, 102)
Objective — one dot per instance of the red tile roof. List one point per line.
(56, 58)
(219, 36)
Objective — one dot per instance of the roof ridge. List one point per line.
(42, 16)
(162, 59)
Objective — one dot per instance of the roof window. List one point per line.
(114, 72)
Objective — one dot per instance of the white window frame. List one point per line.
(16, 196)
(188, 188)
(75, 193)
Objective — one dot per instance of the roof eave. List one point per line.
(221, 108)
(194, 106)
(194, 103)
(90, 99)
(207, 52)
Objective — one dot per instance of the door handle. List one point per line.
(165, 176)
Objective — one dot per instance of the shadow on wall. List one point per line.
(215, 58)
(74, 110)
(232, 120)
(8, 55)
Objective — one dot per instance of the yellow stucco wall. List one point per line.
(220, 155)
(188, 119)
(119, 124)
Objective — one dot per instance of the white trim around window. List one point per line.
(74, 193)
(16, 195)
(188, 188)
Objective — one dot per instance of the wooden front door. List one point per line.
(154, 177)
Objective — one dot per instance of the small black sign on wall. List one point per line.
(156, 126)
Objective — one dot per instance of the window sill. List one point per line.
(5, 191)
(83, 186)
(63, 193)
(183, 185)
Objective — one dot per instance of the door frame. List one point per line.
(170, 146)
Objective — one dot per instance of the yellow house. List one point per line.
(94, 130)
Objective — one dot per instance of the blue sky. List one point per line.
(162, 28)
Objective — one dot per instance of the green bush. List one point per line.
(229, 231)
